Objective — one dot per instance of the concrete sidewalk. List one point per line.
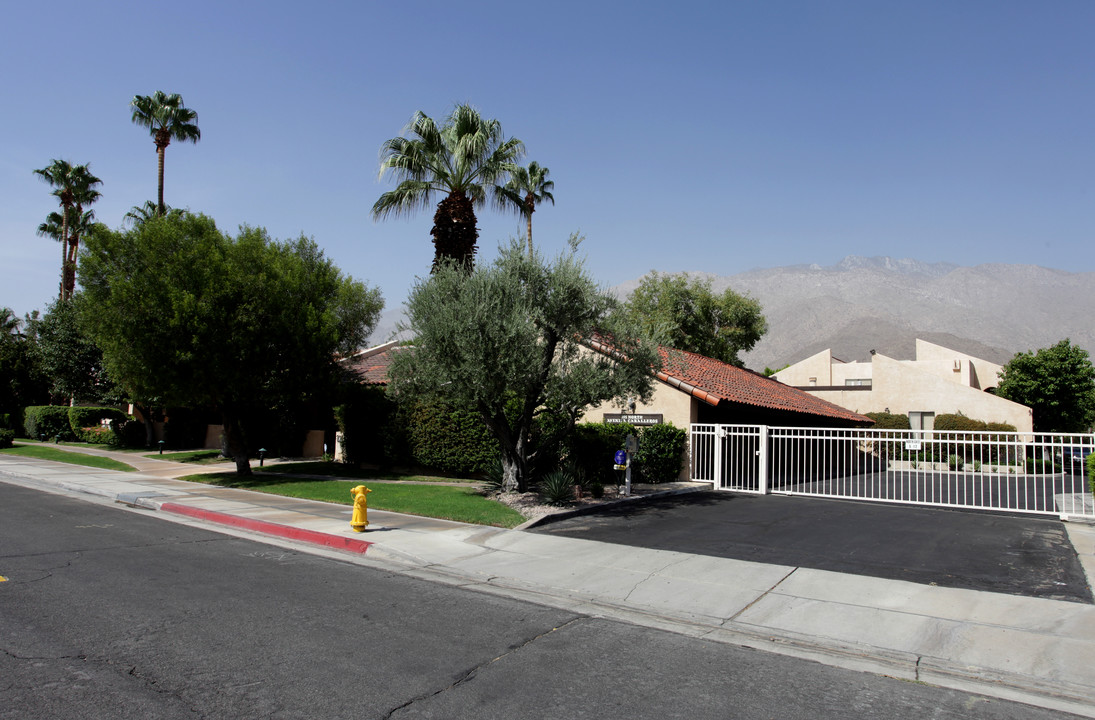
(1030, 650)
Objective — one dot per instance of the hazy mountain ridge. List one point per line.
(991, 311)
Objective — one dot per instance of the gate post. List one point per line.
(762, 460)
(717, 438)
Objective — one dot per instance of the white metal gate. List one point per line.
(986, 470)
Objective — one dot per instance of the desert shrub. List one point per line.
(6, 438)
(556, 488)
(50, 421)
(889, 421)
(661, 452)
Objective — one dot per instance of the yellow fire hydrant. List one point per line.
(360, 519)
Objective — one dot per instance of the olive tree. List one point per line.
(511, 340)
(194, 317)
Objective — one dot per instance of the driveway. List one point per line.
(997, 552)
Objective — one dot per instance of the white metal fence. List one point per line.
(1007, 471)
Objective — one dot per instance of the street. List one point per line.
(112, 613)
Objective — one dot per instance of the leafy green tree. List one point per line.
(167, 119)
(21, 380)
(1057, 383)
(507, 341)
(527, 188)
(196, 318)
(69, 359)
(458, 159)
(692, 317)
(75, 187)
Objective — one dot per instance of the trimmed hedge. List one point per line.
(77, 423)
(6, 438)
(451, 440)
(661, 451)
(50, 421)
(889, 421)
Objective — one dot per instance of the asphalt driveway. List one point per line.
(997, 552)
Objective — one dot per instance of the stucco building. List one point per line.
(939, 381)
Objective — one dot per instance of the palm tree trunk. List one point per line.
(530, 235)
(64, 250)
(160, 152)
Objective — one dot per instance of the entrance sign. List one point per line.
(633, 418)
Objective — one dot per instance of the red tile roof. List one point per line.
(714, 381)
(711, 381)
(371, 365)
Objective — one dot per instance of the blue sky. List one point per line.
(716, 137)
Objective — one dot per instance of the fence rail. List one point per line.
(1007, 471)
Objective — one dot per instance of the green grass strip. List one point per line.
(335, 469)
(199, 457)
(44, 452)
(462, 504)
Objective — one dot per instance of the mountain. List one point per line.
(861, 304)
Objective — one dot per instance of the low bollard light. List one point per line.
(161, 447)
(360, 519)
(262, 455)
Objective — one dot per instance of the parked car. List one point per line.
(1076, 455)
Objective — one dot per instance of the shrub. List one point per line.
(6, 438)
(661, 453)
(889, 421)
(591, 447)
(556, 488)
(86, 424)
(452, 440)
(50, 421)
(1090, 462)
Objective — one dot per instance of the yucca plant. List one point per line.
(494, 479)
(556, 488)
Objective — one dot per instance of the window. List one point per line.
(921, 420)
(857, 382)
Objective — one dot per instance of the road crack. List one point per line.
(469, 675)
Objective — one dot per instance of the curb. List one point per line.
(592, 509)
(268, 528)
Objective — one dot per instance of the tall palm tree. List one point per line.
(74, 186)
(527, 188)
(460, 159)
(166, 119)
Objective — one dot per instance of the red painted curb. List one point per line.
(286, 531)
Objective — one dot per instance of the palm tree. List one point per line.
(460, 159)
(140, 214)
(527, 188)
(74, 186)
(167, 120)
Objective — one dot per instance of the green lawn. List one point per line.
(334, 469)
(47, 452)
(462, 504)
(199, 457)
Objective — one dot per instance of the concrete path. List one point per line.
(1030, 650)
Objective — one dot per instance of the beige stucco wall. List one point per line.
(675, 406)
(940, 380)
(904, 387)
(814, 370)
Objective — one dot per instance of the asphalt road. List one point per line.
(111, 613)
(952, 548)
